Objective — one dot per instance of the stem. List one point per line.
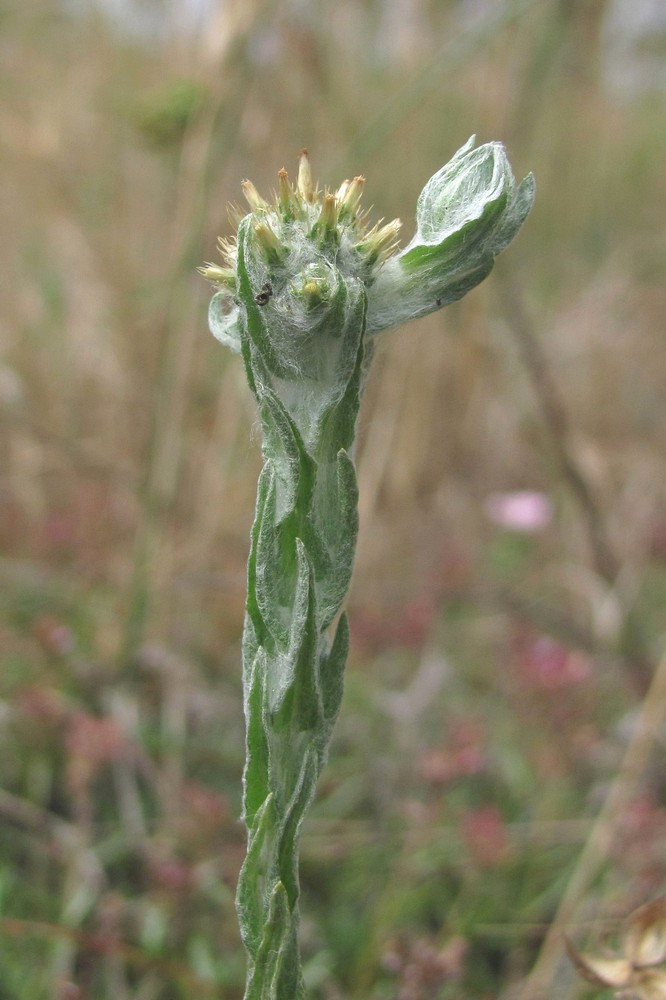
(302, 549)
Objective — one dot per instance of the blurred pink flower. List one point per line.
(407, 625)
(526, 511)
(462, 755)
(547, 664)
(92, 742)
(53, 635)
(485, 835)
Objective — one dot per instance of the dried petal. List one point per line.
(223, 276)
(381, 241)
(268, 239)
(615, 972)
(643, 940)
(328, 217)
(649, 984)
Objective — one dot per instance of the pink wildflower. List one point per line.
(526, 511)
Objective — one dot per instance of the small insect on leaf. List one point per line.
(262, 297)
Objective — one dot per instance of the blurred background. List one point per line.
(498, 767)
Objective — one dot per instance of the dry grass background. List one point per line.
(496, 677)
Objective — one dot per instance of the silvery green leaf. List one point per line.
(255, 784)
(294, 674)
(333, 671)
(268, 577)
(250, 892)
(341, 531)
(467, 213)
(277, 972)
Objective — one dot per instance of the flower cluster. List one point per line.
(302, 233)
(468, 212)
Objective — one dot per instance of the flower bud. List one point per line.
(304, 182)
(349, 196)
(269, 241)
(468, 212)
(252, 197)
(326, 226)
(224, 276)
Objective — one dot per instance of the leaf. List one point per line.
(268, 568)
(255, 781)
(293, 818)
(337, 420)
(341, 534)
(250, 891)
(284, 446)
(515, 215)
(332, 671)
(277, 938)
(467, 213)
(474, 184)
(259, 633)
(255, 338)
(293, 693)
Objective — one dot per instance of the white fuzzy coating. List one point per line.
(223, 317)
(305, 260)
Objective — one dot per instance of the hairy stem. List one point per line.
(303, 542)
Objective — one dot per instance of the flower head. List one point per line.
(467, 213)
(301, 230)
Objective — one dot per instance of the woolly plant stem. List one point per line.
(301, 556)
(305, 289)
